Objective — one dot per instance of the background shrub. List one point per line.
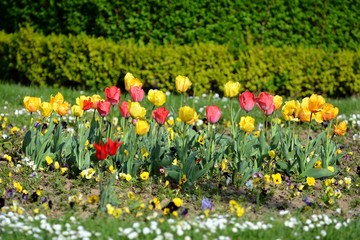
(95, 63)
(334, 24)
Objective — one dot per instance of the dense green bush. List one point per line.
(333, 24)
(94, 63)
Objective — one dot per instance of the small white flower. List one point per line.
(179, 231)
(146, 230)
(306, 228)
(283, 212)
(136, 225)
(323, 233)
(338, 226)
(127, 231)
(168, 236)
(133, 235)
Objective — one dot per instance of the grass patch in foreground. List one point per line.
(283, 226)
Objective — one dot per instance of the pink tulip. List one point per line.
(160, 115)
(112, 95)
(265, 102)
(213, 114)
(270, 110)
(103, 108)
(247, 101)
(136, 93)
(124, 109)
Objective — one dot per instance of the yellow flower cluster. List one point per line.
(311, 108)
(236, 208)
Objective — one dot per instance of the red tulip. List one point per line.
(124, 109)
(87, 104)
(160, 115)
(247, 101)
(213, 114)
(136, 93)
(101, 151)
(112, 147)
(112, 95)
(103, 108)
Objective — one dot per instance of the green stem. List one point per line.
(306, 155)
(266, 129)
(325, 161)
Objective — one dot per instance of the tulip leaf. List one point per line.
(319, 173)
(174, 174)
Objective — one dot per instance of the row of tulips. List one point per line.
(174, 149)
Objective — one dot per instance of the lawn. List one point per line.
(222, 180)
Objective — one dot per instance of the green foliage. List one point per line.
(333, 24)
(95, 63)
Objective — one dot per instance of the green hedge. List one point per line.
(333, 24)
(94, 63)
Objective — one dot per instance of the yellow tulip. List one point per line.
(63, 109)
(291, 110)
(193, 120)
(316, 103)
(32, 104)
(142, 127)
(187, 114)
(340, 129)
(130, 80)
(182, 83)
(247, 124)
(157, 97)
(136, 110)
(77, 111)
(278, 100)
(329, 112)
(305, 113)
(232, 89)
(95, 99)
(45, 109)
(57, 100)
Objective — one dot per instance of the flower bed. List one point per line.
(131, 161)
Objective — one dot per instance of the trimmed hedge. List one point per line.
(94, 63)
(332, 24)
